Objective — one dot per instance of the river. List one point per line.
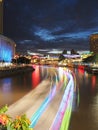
(85, 111)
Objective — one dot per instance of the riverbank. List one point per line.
(15, 69)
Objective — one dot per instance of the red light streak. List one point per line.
(93, 82)
(35, 76)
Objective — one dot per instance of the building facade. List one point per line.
(1, 16)
(7, 49)
(94, 43)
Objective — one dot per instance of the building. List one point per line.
(7, 49)
(1, 16)
(94, 43)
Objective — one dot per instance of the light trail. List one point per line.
(46, 102)
(42, 108)
(62, 118)
(58, 121)
(67, 114)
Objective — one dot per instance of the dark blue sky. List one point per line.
(51, 23)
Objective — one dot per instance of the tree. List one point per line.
(61, 57)
(64, 52)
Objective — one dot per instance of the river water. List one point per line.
(85, 115)
(85, 111)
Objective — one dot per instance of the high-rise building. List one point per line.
(7, 49)
(1, 16)
(94, 43)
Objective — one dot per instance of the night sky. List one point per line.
(42, 24)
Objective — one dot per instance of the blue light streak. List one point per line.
(42, 108)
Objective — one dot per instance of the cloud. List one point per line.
(53, 22)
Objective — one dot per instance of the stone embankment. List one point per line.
(13, 70)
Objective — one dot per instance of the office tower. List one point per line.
(94, 43)
(1, 16)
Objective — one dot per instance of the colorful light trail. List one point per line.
(66, 100)
(62, 118)
(43, 106)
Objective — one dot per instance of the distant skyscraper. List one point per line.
(1, 16)
(94, 43)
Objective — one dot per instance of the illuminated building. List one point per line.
(1, 16)
(94, 43)
(7, 49)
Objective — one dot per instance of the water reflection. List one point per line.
(93, 82)
(13, 88)
(86, 116)
(6, 85)
(36, 76)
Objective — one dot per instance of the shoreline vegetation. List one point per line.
(20, 122)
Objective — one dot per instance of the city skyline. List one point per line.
(51, 24)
